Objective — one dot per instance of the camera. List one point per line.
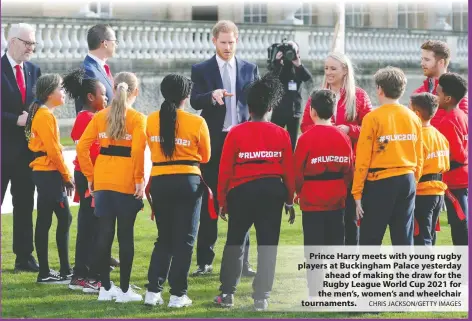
(288, 52)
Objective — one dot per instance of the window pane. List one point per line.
(412, 7)
(256, 9)
(264, 9)
(247, 19)
(264, 19)
(349, 21)
(306, 20)
(412, 20)
(465, 23)
(247, 9)
(366, 20)
(256, 19)
(402, 21)
(420, 21)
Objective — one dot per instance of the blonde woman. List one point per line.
(116, 181)
(353, 104)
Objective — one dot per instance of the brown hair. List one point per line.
(45, 86)
(426, 104)
(125, 84)
(225, 26)
(439, 48)
(392, 80)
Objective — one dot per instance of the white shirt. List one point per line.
(13, 66)
(232, 77)
(100, 62)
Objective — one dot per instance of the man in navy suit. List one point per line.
(18, 79)
(218, 93)
(102, 43)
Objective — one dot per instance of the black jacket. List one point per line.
(292, 100)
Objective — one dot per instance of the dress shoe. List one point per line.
(248, 271)
(27, 265)
(114, 262)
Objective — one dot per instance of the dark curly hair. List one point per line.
(263, 94)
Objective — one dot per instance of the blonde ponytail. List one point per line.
(116, 118)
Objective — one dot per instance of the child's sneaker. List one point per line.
(179, 301)
(92, 286)
(77, 283)
(52, 277)
(224, 300)
(129, 296)
(109, 295)
(152, 298)
(67, 274)
(261, 305)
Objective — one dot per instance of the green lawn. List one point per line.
(23, 298)
(67, 141)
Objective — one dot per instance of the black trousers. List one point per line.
(293, 125)
(52, 198)
(258, 202)
(87, 224)
(319, 229)
(208, 229)
(388, 202)
(427, 209)
(459, 229)
(112, 207)
(351, 230)
(19, 174)
(177, 201)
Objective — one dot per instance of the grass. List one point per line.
(67, 141)
(23, 298)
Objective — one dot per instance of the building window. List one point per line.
(205, 13)
(460, 14)
(255, 13)
(357, 15)
(102, 8)
(411, 16)
(308, 13)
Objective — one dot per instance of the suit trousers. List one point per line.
(208, 229)
(19, 174)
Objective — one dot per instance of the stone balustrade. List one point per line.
(65, 39)
(153, 49)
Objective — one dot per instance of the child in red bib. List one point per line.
(93, 95)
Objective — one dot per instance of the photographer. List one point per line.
(291, 73)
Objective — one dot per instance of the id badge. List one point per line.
(292, 85)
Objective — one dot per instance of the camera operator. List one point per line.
(292, 74)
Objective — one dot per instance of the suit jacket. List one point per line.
(94, 71)
(14, 144)
(206, 78)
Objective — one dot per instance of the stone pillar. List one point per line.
(340, 29)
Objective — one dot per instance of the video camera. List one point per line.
(288, 52)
